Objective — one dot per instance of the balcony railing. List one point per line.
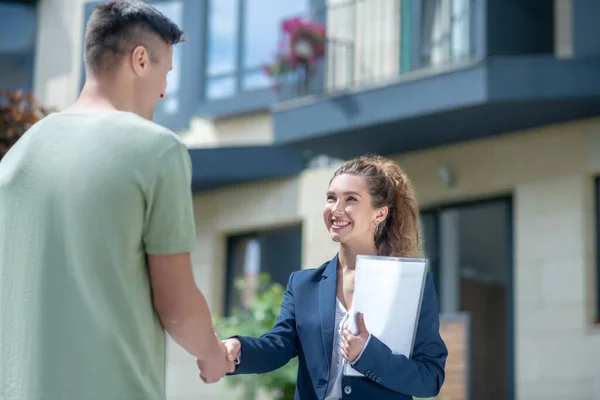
(373, 42)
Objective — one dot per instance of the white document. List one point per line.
(388, 291)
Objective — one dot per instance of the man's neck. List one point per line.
(96, 96)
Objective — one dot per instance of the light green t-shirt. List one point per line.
(84, 197)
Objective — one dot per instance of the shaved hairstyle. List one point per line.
(117, 27)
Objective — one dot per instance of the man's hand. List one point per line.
(352, 345)
(216, 366)
(234, 347)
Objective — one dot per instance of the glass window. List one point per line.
(222, 48)
(17, 45)
(275, 252)
(242, 36)
(446, 31)
(222, 37)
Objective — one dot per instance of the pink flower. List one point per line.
(303, 44)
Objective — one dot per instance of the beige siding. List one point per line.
(252, 129)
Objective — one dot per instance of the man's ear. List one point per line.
(140, 59)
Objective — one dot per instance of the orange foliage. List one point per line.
(18, 112)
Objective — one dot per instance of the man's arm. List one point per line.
(169, 236)
(181, 306)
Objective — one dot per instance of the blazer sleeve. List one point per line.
(275, 348)
(423, 374)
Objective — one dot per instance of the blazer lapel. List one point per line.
(327, 294)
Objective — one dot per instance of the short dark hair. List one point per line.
(116, 27)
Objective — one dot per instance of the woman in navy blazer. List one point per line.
(370, 209)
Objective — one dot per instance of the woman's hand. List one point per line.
(352, 345)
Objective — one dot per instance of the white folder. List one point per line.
(389, 292)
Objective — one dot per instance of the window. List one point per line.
(17, 45)
(242, 35)
(445, 31)
(276, 252)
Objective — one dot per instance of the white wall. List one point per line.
(250, 129)
(58, 52)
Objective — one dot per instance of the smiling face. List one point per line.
(348, 214)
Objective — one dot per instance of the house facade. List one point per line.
(492, 107)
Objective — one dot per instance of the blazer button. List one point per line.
(378, 380)
(347, 390)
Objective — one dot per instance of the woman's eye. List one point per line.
(330, 198)
(351, 198)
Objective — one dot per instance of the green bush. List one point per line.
(254, 321)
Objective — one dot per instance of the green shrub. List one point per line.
(254, 321)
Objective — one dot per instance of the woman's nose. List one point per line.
(337, 210)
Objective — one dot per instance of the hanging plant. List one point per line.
(307, 39)
(302, 45)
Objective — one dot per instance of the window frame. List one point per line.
(477, 42)
(596, 315)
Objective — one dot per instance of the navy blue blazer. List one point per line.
(305, 328)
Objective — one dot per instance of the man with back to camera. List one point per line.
(96, 229)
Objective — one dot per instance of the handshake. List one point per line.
(224, 361)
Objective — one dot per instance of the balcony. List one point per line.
(401, 75)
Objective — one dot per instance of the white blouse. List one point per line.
(343, 321)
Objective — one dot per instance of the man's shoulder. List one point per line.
(137, 123)
(147, 136)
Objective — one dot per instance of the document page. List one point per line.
(388, 291)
